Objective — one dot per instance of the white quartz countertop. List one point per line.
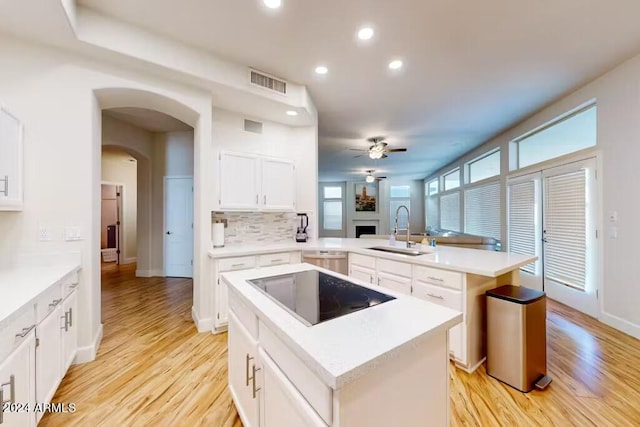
(21, 284)
(474, 261)
(342, 349)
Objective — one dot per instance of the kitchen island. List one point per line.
(378, 366)
(448, 276)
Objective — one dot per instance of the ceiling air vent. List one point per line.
(268, 82)
(251, 126)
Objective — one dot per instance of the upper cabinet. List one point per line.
(249, 182)
(10, 162)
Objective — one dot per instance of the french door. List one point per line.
(552, 214)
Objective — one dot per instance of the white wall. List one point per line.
(617, 94)
(172, 155)
(119, 167)
(58, 97)
(276, 140)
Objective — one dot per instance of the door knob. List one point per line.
(168, 232)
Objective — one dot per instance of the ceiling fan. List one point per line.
(370, 178)
(378, 149)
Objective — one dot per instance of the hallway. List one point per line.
(153, 368)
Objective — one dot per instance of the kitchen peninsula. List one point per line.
(384, 364)
(451, 277)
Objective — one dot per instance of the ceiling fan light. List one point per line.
(369, 178)
(376, 154)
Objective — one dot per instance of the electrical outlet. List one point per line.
(44, 234)
(73, 233)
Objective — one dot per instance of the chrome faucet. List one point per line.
(395, 228)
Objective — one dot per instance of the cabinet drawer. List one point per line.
(438, 295)
(451, 279)
(48, 301)
(237, 263)
(274, 259)
(319, 396)
(394, 267)
(69, 283)
(18, 324)
(362, 260)
(244, 315)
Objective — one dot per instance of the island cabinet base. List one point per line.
(410, 389)
(272, 387)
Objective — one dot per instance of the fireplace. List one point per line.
(365, 229)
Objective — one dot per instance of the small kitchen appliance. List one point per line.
(301, 234)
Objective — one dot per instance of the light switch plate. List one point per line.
(613, 216)
(73, 233)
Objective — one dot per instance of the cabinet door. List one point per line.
(222, 302)
(361, 273)
(18, 384)
(10, 162)
(395, 283)
(238, 181)
(281, 404)
(48, 356)
(278, 185)
(69, 331)
(243, 351)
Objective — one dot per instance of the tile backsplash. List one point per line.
(259, 227)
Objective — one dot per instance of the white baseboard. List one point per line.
(88, 353)
(149, 273)
(203, 325)
(620, 324)
(129, 260)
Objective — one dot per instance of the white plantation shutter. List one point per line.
(565, 226)
(482, 210)
(433, 212)
(450, 211)
(522, 220)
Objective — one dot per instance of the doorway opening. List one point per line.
(110, 227)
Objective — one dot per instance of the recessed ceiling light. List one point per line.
(292, 113)
(272, 4)
(396, 64)
(365, 33)
(321, 69)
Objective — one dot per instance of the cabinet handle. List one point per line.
(276, 260)
(378, 281)
(237, 265)
(435, 296)
(265, 199)
(256, 199)
(25, 332)
(437, 279)
(12, 390)
(6, 185)
(71, 316)
(253, 378)
(246, 370)
(66, 321)
(55, 302)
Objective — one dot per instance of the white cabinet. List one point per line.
(69, 330)
(362, 273)
(17, 384)
(48, 355)
(239, 181)
(280, 402)
(243, 372)
(10, 162)
(278, 185)
(249, 182)
(395, 283)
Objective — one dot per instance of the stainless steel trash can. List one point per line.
(517, 337)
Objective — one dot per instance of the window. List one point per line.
(450, 211)
(332, 208)
(431, 209)
(484, 167)
(576, 132)
(482, 210)
(432, 187)
(399, 195)
(451, 180)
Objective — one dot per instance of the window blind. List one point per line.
(450, 211)
(332, 215)
(433, 212)
(565, 228)
(482, 210)
(521, 224)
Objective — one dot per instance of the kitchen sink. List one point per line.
(402, 251)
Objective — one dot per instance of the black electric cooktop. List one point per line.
(313, 296)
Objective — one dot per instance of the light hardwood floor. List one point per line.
(153, 368)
